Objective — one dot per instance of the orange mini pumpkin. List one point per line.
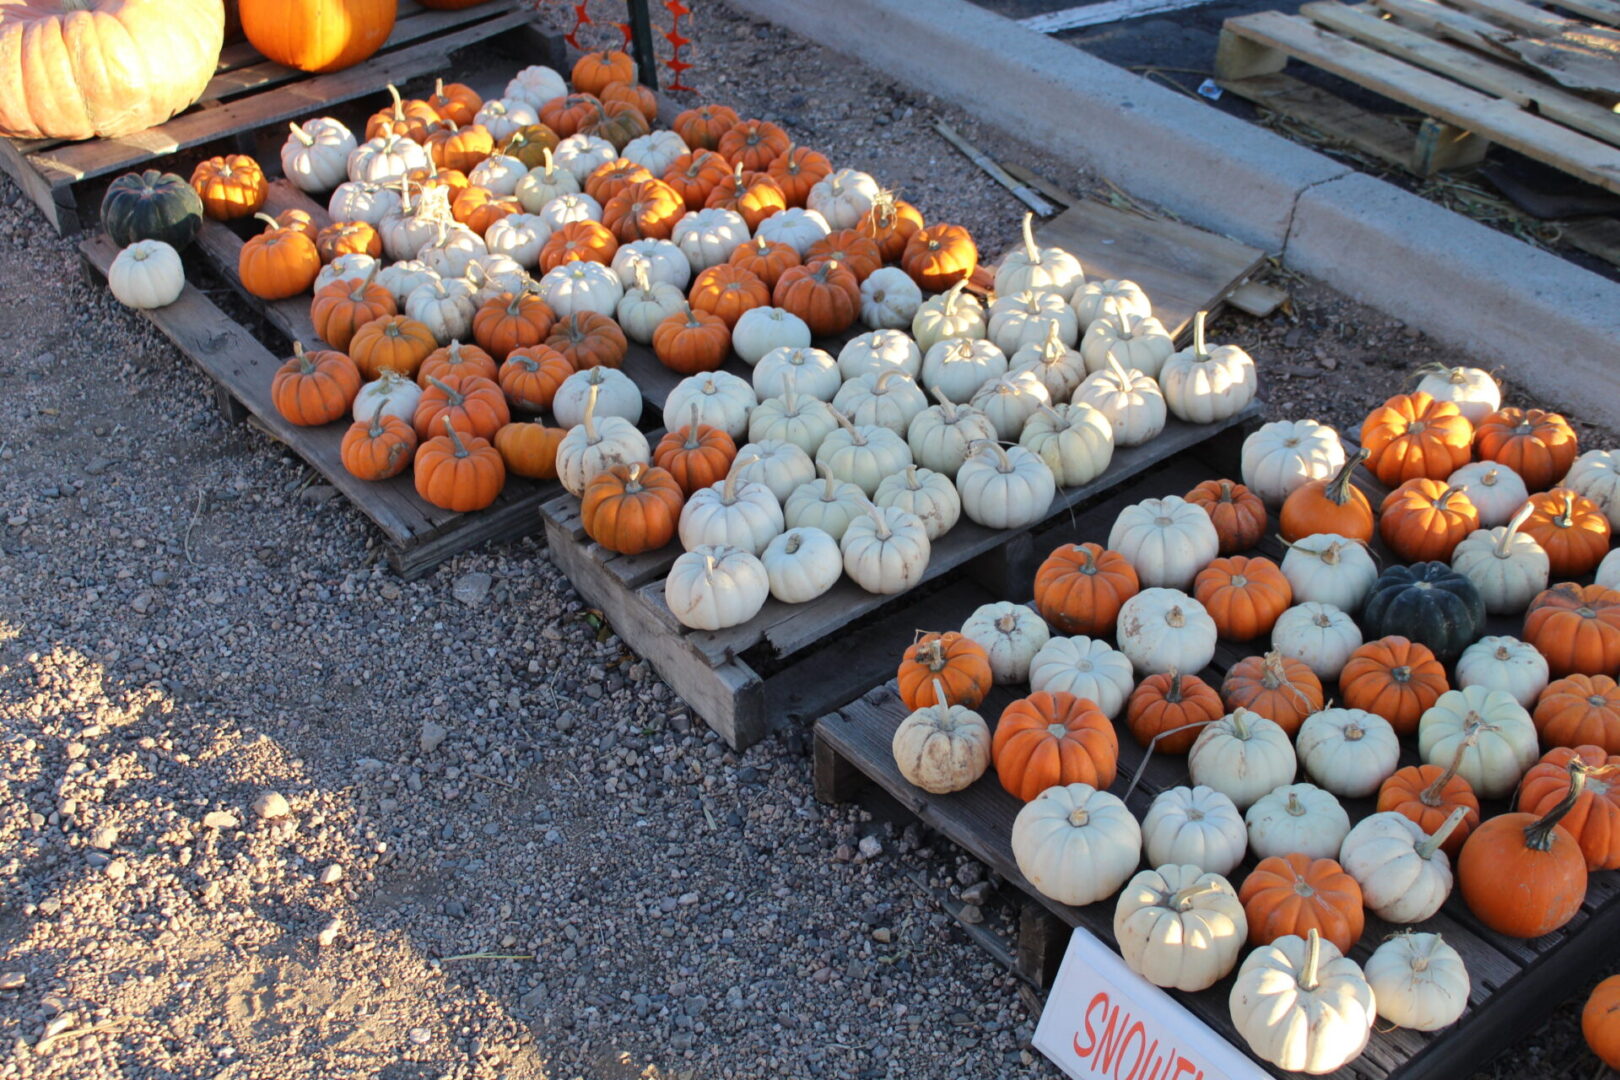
(531, 376)
(797, 171)
(341, 308)
(1413, 435)
(587, 339)
(1243, 594)
(1522, 874)
(474, 404)
(460, 147)
(631, 509)
(314, 388)
(633, 94)
(753, 144)
(1538, 445)
(348, 238)
(1579, 710)
(530, 449)
(728, 291)
(1571, 528)
(643, 211)
(1395, 678)
(1045, 740)
(564, 115)
(531, 144)
(512, 321)
(1424, 520)
(1280, 688)
(1079, 588)
(456, 359)
(1295, 894)
(612, 177)
(696, 455)
(596, 71)
(891, 222)
(754, 195)
(379, 448)
(1600, 1021)
(1333, 505)
(766, 259)
(479, 208)
(693, 176)
(393, 343)
(825, 295)
(294, 218)
(1576, 627)
(1237, 513)
(456, 102)
(701, 127)
(958, 662)
(1594, 820)
(579, 241)
(406, 118)
(459, 472)
(856, 253)
(1429, 794)
(279, 262)
(1165, 702)
(691, 341)
(939, 256)
(230, 187)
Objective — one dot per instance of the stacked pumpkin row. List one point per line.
(1175, 577)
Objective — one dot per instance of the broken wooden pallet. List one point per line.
(248, 94)
(1513, 982)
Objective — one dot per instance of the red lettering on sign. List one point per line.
(1113, 1035)
(1101, 999)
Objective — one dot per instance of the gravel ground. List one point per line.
(274, 813)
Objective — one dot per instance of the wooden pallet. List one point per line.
(248, 94)
(1452, 64)
(1514, 982)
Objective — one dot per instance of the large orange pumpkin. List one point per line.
(753, 144)
(1428, 794)
(696, 455)
(858, 254)
(512, 321)
(939, 256)
(278, 263)
(1395, 678)
(1538, 445)
(694, 175)
(392, 343)
(1523, 874)
(957, 661)
(1600, 1021)
(1079, 588)
(458, 360)
(1576, 627)
(230, 187)
(825, 295)
(647, 210)
(595, 71)
(1237, 513)
(1295, 894)
(612, 177)
(579, 241)
(1243, 594)
(314, 388)
(1571, 528)
(1049, 739)
(1166, 702)
(754, 195)
(1413, 435)
(1578, 710)
(1594, 821)
(1280, 688)
(766, 259)
(318, 35)
(104, 68)
(797, 171)
(474, 404)
(1424, 520)
(587, 339)
(1333, 505)
(457, 472)
(631, 508)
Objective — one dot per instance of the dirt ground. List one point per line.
(273, 813)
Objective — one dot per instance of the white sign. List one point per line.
(1105, 1022)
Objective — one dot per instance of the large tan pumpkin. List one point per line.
(76, 69)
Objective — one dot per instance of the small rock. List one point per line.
(976, 894)
(161, 578)
(143, 602)
(471, 588)
(883, 935)
(220, 819)
(331, 875)
(99, 465)
(13, 980)
(971, 914)
(271, 805)
(871, 847)
(104, 838)
(433, 736)
(317, 494)
(389, 591)
(328, 933)
(421, 1036)
(455, 909)
(969, 873)
(59, 1025)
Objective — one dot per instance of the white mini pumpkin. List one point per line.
(763, 329)
(811, 371)
(1496, 491)
(796, 227)
(662, 260)
(1005, 488)
(1076, 844)
(446, 307)
(1110, 299)
(1075, 441)
(493, 275)
(923, 492)
(656, 151)
(952, 314)
(1203, 385)
(862, 454)
(797, 418)
(1046, 269)
(1132, 401)
(1596, 474)
(957, 367)
(1012, 634)
(1504, 663)
(615, 393)
(646, 304)
(1504, 738)
(887, 551)
(941, 436)
(1243, 756)
(581, 286)
(1135, 342)
(362, 201)
(1331, 569)
(1085, 667)
(1028, 317)
(544, 183)
(1474, 391)
(1350, 752)
(400, 278)
(392, 394)
(357, 264)
(534, 86)
(1298, 818)
(889, 299)
(594, 447)
(1288, 454)
(1195, 826)
(499, 174)
(1058, 367)
(1167, 541)
(386, 159)
(452, 250)
(1163, 630)
(1508, 567)
(1608, 571)
(780, 466)
(942, 747)
(723, 400)
(843, 197)
(504, 116)
(878, 351)
(1302, 1006)
(1009, 402)
(520, 237)
(1319, 635)
(888, 399)
(315, 156)
(713, 587)
(801, 564)
(1180, 927)
(733, 512)
(708, 237)
(583, 154)
(567, 209)
(1419, 980)
(146, 275)
(1403, 873)
(827, 504)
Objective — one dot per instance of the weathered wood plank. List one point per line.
(1350, 125)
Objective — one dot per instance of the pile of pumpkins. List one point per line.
(1493, 510)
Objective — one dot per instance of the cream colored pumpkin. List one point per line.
(359, 265)
(595, 446)
(878, 351)
(1087, 668)
(1180, 927)
(708, 237)
(1243, 756)
(797, 418)
(1009, 401)
(862, 454)
(493, 275)
(1296, 818)
(723, 401)
(1504, 738)
(661, 259)
(923, 492)
(763, 329)
(146, 275)
(519, 237)
(1496, 491)
(801, 564)
(1109, 299)
(1195, 826)
(1041, 269)
(543, 183)
(1026, 318)
(889, 299)
(1302, 1006)
(888, 399)
(843, 197)
(810, 371)
(780, 466)
(1504, 663)
(582, 155)
(713, 587)
(656, 151)
(1005, 488)
(315, 156)
(733, 512)
(1474, 391)
(614, 394)
(1164, 630)
(1166, 540)
(1321, 636)
(1349, 752)
(504, 116)
(1012, 634)
(1330, 568)
(399, 278)
(957, 367)
(1075, 441)
(828, 504)
(446, 307)
(795, 227)
(1508, 567)
(646, 304)
(392, 394)
(498, 174)
(1596, 474)
(535, 85)
(942, 747)
(952, 314)
(886, 551)
(1136, 342)
(452, 250)
(1608, 571)
(1403, 873)
(1419, 980)
(409, 226)
(1058, 367)
(571, 208)
(386, 159)
(1076, 844)
(1203, 385)
(1132, 401)
(362, 201)
(581, 286)
(942, 435)
(1288, 454)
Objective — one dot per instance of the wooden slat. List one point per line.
(223, 247)
(1330, 115)
(1516, 16)
(1595, 236)
(1500, 121)
(1606, 12)
(1468, 68)
(1449, 23)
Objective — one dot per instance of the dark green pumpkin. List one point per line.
(151, 205)
(1427, 602)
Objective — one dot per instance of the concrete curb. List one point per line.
(1509, 304)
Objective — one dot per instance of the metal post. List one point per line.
(641, 43)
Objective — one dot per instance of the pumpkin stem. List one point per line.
(912, 483)
(455, 438)
(953, 294)
(301, 135)
(1338, 489)
(1003, 462)
(1117, 369)
(941, 699)
(1053, 349)
(829, 493)
(1567, 518)
(1294, 807)
(856, 436)
(1172, 694)
(1428, 847)
(1181, 898)
(376, 429)
(633, 485)
(305, 363)
(1431, 796)
(453, 397)
(1273, 674)
(550, 166)
(882, 383)
(728, 493)
(947, 407)
(1308, 979)
(1539, 835)
(399, 105)
(692, 442)
(708, 563)
(271, 223)
(1504, 541)
(642, 281)
(1198, 337)
(883, 530)
(1240, 725)
(589, 419)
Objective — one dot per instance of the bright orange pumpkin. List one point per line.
(279, 262)
(379, 448)
(1600, 1021)
(858, 254)
(1571, 528)
(1578, 710)
(230, 187)
(825, 295)
(587, 339)
(579, 241)
(939, 256)
(766, 259)
(458, 472)
(1333, 505)
(474, 404)
(456, 359)
(1594, 820)
(1429, 794)
(691, 341)
(958, 662)
(701, 127)
(891, 222)
(1280, 688)
(1413, 435)
(1079, 588)
(1295, 894)
(728, 291)
(693, 176)
(647, 210)
(1237, 513)
(631, 509)
(314, 388)
(1243, 594)
(1395, 678)
(754, 195)
(797, 171)
(1576, 627)
(1165, 702)
(317, 35)
(341, 308)
(531, 376)
(1523, 874)
(596, 71)
(753, 144)
(1424, 520)
(512, 321)
(530, 449)
(1045, 740)
(1538, 445)
(612, 177)
(393, 343)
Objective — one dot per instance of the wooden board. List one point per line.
(1513, 982)
(1331, 116)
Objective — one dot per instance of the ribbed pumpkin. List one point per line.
(379, 448)
(1428, 794)
(633, 94)
(694, 175)
(939, 256)
(1295, 894)
(586, 340)
(460, 146)
(1334, 505)
(458, 360)
(617, 123)
(530, 449)
(595, 71)
(531, 376)
(1522, 874)
(1413, 435)
(696, 455)
(612, 177)
(512, 321)
(348, 238)
(728, 291)
(1571, 529)
(1237, 513)
(151, 205)
(1576, 627)
(858, 254)
(1079, 588)
(1164, 702)
(407, 119)
(317, 35)
(531, 144)
(314, 388)
(753, 144)
(479, 208)
(1594, 820)
(1426, 519)
(564, 115)
(474, 404)
(1428, 602)
(647, 210)
(393, 343)
(826, 296)
(701, 127)
(278, 263)
(458, 472)
(891, 222)
(766, 259)
(1280, 688)
(1396, 678)
(294, 218)
(691, 341)
(1046, 740)
(230, 187)
(343, 307)
(579, 241)
(1578, 710)
(798, 170)
(754, 195)
(1243, 594)
(456, 102)
(959, 663)
(631, 508)
(1600, 1021)
(1538, 445)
